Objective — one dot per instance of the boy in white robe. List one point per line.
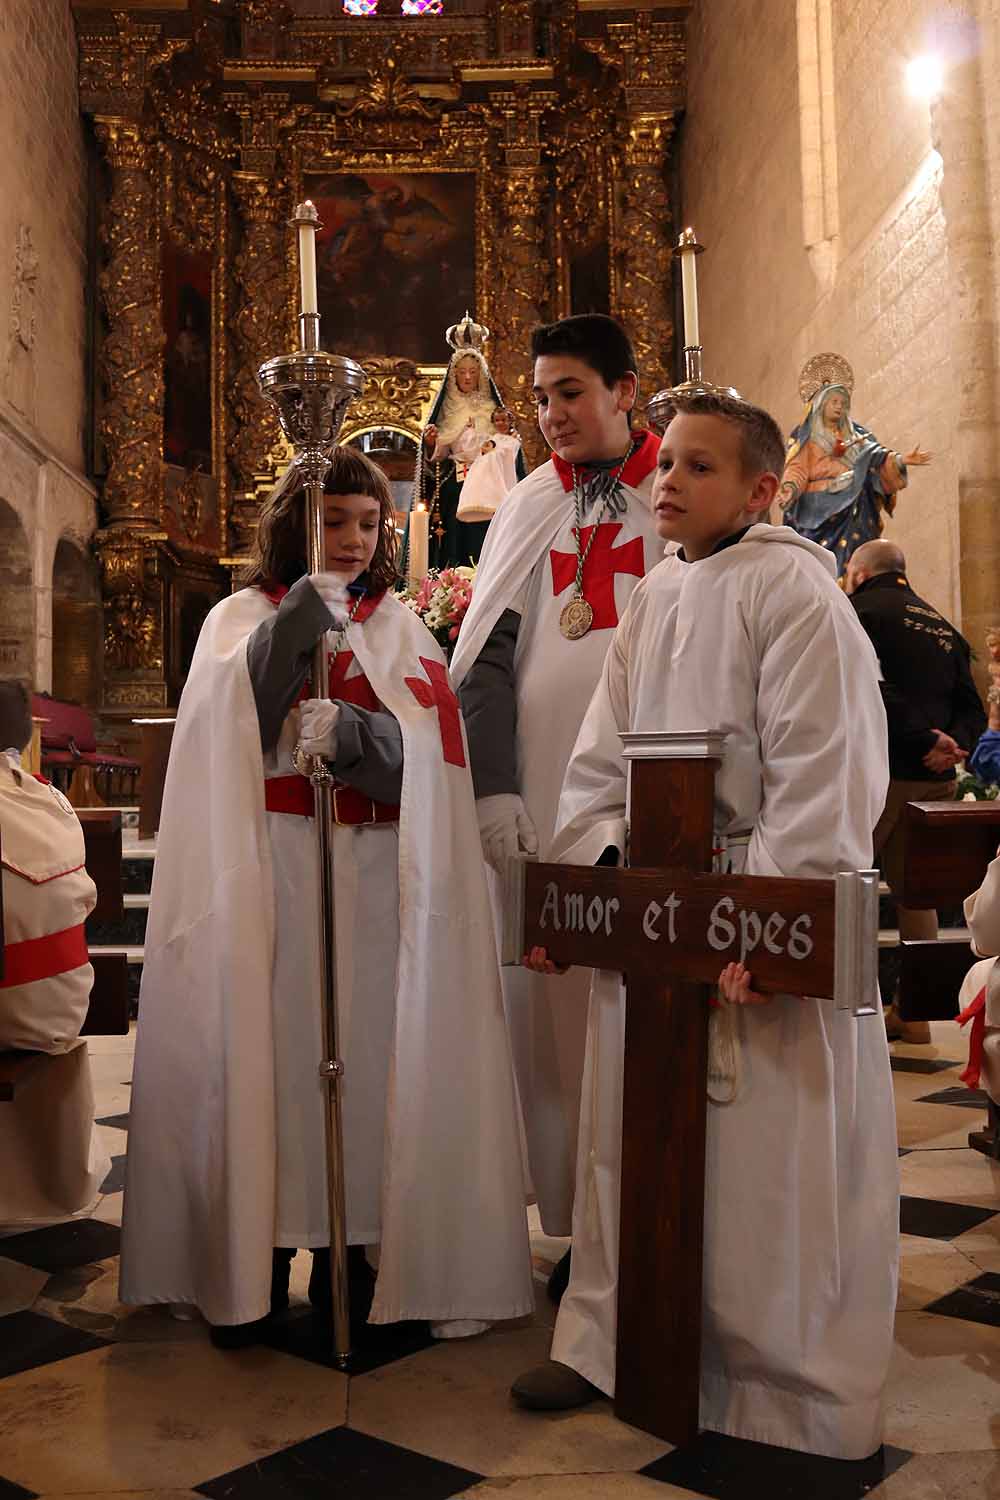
(742, 629)
(569, 544)
(226, 1173)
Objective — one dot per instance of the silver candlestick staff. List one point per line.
(659, 408)
(311, 391)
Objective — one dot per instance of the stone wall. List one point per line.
(830, 200)
(44, 494)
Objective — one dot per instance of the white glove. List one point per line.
(331, 589)
(505, 829)
(318, 727)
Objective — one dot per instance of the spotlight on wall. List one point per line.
(925, 76)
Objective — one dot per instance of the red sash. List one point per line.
(294, 794)
(43, 957)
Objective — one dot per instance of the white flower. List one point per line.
(970, 797)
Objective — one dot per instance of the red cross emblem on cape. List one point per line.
(357, 689)
(604, 562)
(437, 693)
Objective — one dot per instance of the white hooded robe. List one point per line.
(527, 563)
(201, 1199)
(801, 1190)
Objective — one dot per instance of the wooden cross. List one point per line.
(670, 927)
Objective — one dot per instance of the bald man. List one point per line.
(934, 711)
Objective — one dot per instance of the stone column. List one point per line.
(643, 236)
(957, 126)
(523, 262)
(260, 329)
(650, 58)
(131, 366)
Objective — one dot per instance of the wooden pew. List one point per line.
(946, 849)
(108, 1012)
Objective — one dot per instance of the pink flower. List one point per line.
(453, 633)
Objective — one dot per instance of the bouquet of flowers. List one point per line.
(972, 789)
(441, 600)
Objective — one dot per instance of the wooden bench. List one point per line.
(946, 849)
(108, 1011)
(72, 758)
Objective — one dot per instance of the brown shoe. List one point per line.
(916, 1033)
(553, 1387)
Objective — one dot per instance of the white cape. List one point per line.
(199, 1223)
(801, 1193)
(555, 680)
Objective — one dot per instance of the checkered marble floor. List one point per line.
(97, 1399)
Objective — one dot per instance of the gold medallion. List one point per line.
(576, 618)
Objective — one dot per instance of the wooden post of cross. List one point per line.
(670, 927)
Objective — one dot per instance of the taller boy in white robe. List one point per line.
(524, 688)
(801, 1205)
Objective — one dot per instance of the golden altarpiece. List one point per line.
(512, 154)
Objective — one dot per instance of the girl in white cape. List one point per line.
(226, 1172)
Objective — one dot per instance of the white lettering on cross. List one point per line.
(573, 911)
(550, 907)
(650, 917)
(721, 932)
(750, 930)
(800, 944)
(772, 927)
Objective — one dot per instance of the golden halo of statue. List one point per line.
(825, 369)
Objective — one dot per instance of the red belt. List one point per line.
(43, 957)
(294, 794)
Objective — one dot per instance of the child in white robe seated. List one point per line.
(979, 997)
(493, 471)
(742, 629)
(51, 1162)
(226, 1173)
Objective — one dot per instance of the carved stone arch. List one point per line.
(17, 598)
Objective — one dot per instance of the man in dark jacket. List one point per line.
(934, 710)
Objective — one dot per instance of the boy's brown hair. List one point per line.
(279, 554)
(15, 714)
(761, 442)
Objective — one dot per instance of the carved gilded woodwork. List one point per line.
(211, 114)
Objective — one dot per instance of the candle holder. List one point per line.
(659, 406)
(311, 391)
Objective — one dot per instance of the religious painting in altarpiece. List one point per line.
(187, 360)
(396, 250)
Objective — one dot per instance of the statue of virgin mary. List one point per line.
(838, 478)
(460, 425)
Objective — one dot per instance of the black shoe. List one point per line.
(559, 1279)
(281, 1267)
(238, 1335)
(360, 1282)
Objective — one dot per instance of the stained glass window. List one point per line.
(422, 7)
(360, 7)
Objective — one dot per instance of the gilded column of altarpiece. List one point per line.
(509, 154)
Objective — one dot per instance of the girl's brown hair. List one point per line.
(279, 554)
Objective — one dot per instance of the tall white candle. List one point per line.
(419, 542)
(689, 289)
(307, 219)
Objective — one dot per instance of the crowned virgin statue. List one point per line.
(469, 455)
(838, 478)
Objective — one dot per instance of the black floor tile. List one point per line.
(921, 1064)
(729, 1468)
(115, 1180)
(978, 1301)
(304, 1334)
(967, 1098)
(11, 1491)
(342, 1465)
(27, 1340)
(76, 1243)
(932, 1220)
(119, 1122)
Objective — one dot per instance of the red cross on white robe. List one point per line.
(437, 693)
(355, 689)
(604, 562)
